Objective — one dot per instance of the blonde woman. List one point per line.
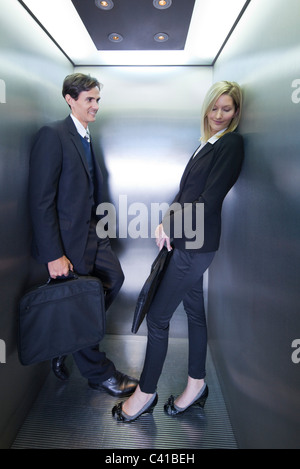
(209, 175)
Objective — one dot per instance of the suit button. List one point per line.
(88, 222)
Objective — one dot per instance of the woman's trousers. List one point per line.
(182, 282)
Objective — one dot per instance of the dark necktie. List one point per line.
(88, 152)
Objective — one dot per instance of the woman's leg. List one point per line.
(184, 271)
(166, 300)
(193, 303)
(176, 281)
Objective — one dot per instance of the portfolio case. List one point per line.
(60, 317)
(150, 287)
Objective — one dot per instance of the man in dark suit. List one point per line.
(65, 183)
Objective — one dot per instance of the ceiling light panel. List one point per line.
(201, 45)
(162, 4)
(104, 4)
(115, 37)
(161, 37)
(137, 21)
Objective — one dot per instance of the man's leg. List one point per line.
(93, 363)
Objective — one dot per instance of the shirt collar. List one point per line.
(80, 129)
(215, 137)
(211, 140)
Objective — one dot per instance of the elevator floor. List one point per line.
(72, 416)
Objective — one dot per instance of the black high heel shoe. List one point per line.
(121, 416)
(172, 409)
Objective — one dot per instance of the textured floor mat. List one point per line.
(73, 416)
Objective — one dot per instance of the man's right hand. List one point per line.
(60, 267)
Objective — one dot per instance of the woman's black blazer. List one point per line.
(207, 179)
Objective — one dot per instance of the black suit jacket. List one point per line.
(61, 193)
(207, 179)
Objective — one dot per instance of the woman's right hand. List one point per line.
(162, 238)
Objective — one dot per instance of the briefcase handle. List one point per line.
(71, 275)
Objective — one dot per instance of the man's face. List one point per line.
(86, 106)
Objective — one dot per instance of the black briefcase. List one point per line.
(60, 317)
(150, 287)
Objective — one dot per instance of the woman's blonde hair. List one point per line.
(231, 88)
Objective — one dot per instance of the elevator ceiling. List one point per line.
(138, 32)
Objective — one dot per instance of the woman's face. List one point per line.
(221, 114)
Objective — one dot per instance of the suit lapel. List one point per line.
(75, 137)
(194, 159)
(202, 152)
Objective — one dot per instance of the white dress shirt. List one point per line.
(80, 129)
(211, 140)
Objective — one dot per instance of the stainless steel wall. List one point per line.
(254, 281)
(31, 72)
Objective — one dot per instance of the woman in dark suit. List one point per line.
(208, 176)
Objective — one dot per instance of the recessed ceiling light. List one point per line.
(104, 5)
(161, 37)
(115, 37)
(162, 4)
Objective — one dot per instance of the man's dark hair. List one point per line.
(77, 82)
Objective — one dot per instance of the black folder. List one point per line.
(150, 287)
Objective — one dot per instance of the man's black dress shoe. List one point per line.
(59, 368)
(117, 385)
